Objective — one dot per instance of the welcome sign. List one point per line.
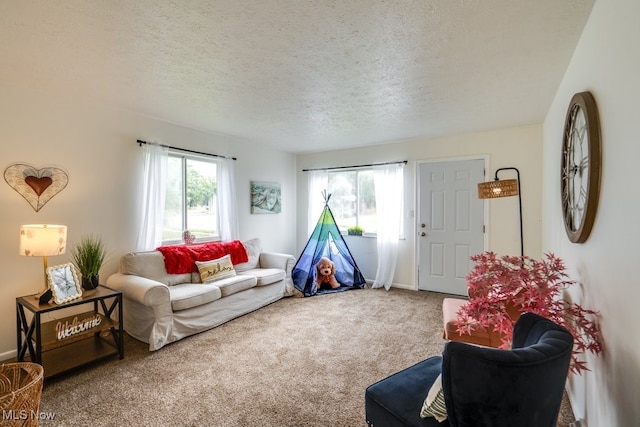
(68, 328)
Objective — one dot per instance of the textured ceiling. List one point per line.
(300, 75)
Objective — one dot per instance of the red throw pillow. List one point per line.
(178, 259)
(181, 259)
(207, 251)
(237, 251)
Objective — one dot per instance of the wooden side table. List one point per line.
(73, 341)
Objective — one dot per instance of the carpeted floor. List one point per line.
(297, 362)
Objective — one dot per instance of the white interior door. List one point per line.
(450, 223)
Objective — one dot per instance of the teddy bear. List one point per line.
(326, 270)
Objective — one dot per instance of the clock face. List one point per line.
(580, 172)
(576, 171)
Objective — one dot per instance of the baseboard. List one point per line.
(394, 285)
(403, 286)
(579, 422)
(8, 355)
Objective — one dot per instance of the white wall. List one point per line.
(519, 147)
(606, 62)
(97, 149)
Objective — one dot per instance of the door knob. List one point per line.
(423, 225)
(423, 234)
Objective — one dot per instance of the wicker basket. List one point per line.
(20, 390)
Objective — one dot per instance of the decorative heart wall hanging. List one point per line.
(37, 186)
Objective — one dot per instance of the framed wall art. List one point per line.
(266, 197)
(36, 185)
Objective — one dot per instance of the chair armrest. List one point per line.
(140, 289)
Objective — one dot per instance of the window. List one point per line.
(353, 199)
(190, 202)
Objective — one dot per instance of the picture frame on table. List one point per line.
(63, 282)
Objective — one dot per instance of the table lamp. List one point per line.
(43, 240)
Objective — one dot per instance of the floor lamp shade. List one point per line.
(500, 188)
(43, 239)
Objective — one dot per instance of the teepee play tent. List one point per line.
(326, 241)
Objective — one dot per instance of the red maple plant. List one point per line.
(498, 285)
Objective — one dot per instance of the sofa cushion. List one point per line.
(150, 264)
(188, 295)
(216, 269)
(266, 276)
(254, 248)
(232, 285)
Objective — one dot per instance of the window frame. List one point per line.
(184, 157)
(357, 170)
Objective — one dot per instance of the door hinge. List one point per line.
(483, 229)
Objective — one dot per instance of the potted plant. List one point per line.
(88, 256)
(497, 285)
(356, 230)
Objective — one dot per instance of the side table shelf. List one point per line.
(73, 341)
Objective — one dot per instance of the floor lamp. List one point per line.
(504, 188)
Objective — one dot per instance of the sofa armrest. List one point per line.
(277, 260)
(284, 262)
(140, 289)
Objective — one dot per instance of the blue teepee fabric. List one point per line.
(326, 241)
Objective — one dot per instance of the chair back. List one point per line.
(518, 387)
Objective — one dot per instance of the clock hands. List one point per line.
(573, 168)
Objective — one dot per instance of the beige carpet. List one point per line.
(297, 362)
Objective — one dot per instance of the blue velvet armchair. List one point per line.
(482, 386)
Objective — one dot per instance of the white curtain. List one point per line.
(151, 206)
(318, 181)
(389, 188)
(227, 205)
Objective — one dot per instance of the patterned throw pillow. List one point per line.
(216, 269)
(434, 403)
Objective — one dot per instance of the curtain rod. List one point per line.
(355, 166)
(140, 142)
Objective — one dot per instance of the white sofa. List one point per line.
(160, 308)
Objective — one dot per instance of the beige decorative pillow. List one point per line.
(253, 248)
(434, 403)
(216, 269)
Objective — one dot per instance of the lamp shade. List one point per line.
(43, 239)
(498, 188)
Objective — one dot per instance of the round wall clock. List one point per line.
(580, 167)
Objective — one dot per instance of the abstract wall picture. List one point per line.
(266, 197)
(37, 186)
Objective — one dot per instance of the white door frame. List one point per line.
(416, 241)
